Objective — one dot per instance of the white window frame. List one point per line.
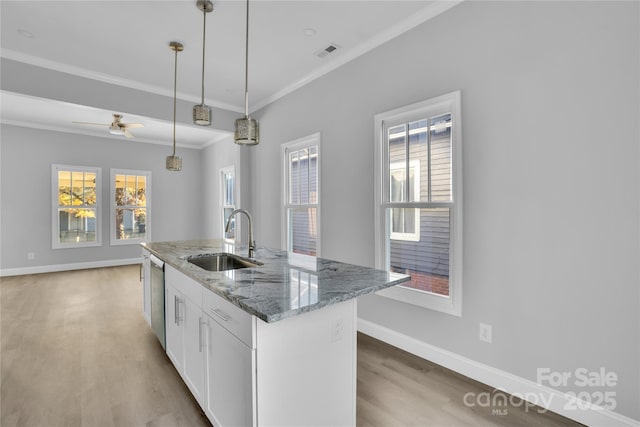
(55, 217)
(448, 103)
(223, 191)
(409, 237)
(285, 149)
(112, 185)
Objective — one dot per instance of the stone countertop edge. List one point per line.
(266, 291)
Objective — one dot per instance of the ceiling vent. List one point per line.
(327, 50)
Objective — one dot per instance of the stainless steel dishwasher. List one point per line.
(157, 298)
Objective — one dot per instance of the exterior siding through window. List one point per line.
(427, 259)
(304, 184)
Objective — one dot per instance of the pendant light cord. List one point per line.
(175, 85)
(246, 68)
(204, 31)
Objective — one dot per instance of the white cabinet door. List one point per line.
(173, 327)
(230, 380)
(146, 287)
(193, 369)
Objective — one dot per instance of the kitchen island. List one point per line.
(273, 343)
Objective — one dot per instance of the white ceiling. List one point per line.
(126, 43)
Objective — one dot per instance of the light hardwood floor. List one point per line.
(76, 351)
(396, 388)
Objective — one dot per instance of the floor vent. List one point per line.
(327, 50)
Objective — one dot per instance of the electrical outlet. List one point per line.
(31, 256)
(336, 330)
(486, 333)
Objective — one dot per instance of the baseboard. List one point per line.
(67, 267)
(541, 395)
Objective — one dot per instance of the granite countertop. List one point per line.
(285, 285)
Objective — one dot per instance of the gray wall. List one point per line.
(27, 155)
(214, 157)
(551, 185)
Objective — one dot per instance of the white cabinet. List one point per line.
(244, 372)
(229, 378)
(230, 363)
(184, 330)
(216, 365)
(146, 286)
(174, 334)
(193, 368)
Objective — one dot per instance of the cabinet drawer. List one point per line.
(230, 317)
(187, 286)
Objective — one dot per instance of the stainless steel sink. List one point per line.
(222, 262)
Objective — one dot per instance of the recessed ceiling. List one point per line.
(126, 42)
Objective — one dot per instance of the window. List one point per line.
(130, 206)
(301, 189)
(76, 198)
(418, 201)
(228, 179)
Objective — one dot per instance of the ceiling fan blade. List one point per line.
(127, 133)
(132, 125)
(92, 124)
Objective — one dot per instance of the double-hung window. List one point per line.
(301, 190)
(76, 199)
(228, 184)
(419, 203)
(130, 206)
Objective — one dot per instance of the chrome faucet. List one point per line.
(252, 243)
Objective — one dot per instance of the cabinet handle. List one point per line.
(219, 314)
(176, 310)
(200, 334)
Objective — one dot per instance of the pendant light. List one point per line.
(202, 112)
(247, 129)
(174, 163)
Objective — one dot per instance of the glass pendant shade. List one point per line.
(247, 131)
(174, 163)
(202, 115)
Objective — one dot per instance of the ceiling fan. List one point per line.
(117, 127)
